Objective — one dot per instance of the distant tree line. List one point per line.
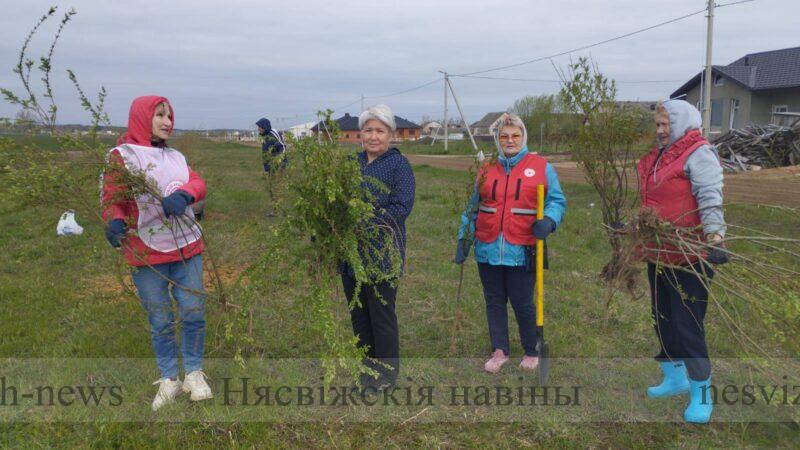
(552, 124)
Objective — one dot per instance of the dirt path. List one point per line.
(778, 187)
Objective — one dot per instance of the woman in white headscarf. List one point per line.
(681, 182)
(374, 320)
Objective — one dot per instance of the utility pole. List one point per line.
(446, 82)
(708, 76)
(319, 129)
(362, 103)
(479, 155)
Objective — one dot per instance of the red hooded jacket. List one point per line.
(139, 132)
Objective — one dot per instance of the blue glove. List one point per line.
(175, 204)
(543, 228)
(115, 232)
(718, 254)
(462, 250)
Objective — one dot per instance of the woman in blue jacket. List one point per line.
(374, 320)
(502, 217)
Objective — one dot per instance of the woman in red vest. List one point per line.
(681, 181)
(502, 216)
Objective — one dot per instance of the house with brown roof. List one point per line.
(351, 133)
(758, 88)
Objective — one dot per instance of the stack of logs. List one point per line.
(757, 146)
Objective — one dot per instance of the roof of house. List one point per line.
(350, 123)
(488, 120)
(403, 123)
(303, 125)
(643, 106)
(776, 69)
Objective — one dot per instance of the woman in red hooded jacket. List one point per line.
(161, 241)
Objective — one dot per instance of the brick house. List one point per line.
(350, 133)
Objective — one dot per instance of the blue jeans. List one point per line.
(501, 284)
(186, 281)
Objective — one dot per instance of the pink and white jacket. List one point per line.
(153, 238)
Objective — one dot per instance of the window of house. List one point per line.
(780, 108)
(716, 113)
(718, 80)
(358, 136)
(734, 113)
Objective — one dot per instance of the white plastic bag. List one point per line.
(67, 226)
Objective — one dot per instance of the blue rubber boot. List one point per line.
(675, 380)
(700, 402)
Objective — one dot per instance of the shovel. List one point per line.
(541, 345)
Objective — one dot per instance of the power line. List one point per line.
(504, 78)
(559, 81)
(543, 58)
(606, 41)
(733, 3)
(314, 117)
(405, 90)
(346, 106)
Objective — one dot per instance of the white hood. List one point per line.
(683, 117)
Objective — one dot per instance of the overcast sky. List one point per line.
(224, 65)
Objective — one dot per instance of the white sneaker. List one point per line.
(167, 391)
(195, 383)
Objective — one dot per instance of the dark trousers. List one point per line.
(375, 325)
(679, 302)
(501, 283)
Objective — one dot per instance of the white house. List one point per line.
(302, 130)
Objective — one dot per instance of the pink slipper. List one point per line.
(529, 362)
(495, 363)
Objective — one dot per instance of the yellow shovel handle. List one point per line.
(539, 259)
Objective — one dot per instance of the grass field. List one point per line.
(60, 299)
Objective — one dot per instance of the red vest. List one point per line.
(508, 201)
(665, 188)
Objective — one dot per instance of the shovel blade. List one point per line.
(544, 362)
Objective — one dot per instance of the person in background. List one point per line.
(680, 180)
(273, 156)
(502, 216)
(161, 241)
(273, 148)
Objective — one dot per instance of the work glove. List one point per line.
(115, 232)
(175, 204)
(542, 228)
(617, 226)
(462, 250)
(717, 253)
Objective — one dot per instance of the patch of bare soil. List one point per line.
(777, 187)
